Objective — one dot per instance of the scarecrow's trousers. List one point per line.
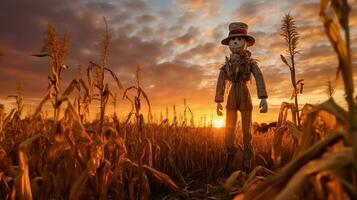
(231, 120)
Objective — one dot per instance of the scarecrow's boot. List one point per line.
(247, 160)
(231, 161)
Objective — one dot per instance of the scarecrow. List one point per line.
(237, 70)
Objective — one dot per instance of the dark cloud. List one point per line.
(187, 37)
(176, 80)
(103, 8)
(252, 12)
(146, 19)
(248, 9)
(317, 51)
(127, 51)
(134, 5)
(180, 24)
(306, 13)
(83, 22)
(204, 51)
(126, 29)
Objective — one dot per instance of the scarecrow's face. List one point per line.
(237, 44)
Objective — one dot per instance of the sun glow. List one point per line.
(218, 123)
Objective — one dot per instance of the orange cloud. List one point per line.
(210, 7)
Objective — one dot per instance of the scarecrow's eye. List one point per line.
(239, 39)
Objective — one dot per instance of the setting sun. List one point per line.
(218, 123)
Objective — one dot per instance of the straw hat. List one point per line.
(239, 29)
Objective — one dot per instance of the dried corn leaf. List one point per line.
(259, 170)
(70, 88)
(78, 122)
(39, 107)
(41, 55)
(162, 178)
(22, 180)
(231, 180)
(132, 188)
(284, 60)
(78, 186)
(330, 161)
(119, 84)
(332, 107)
(275, 183)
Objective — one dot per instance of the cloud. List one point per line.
(210, 8)
(84, 23)
(129, 51)
(255, 13)
(177, 77)
(134, 5)
(179, 25)
(188, 37)
(146, 19)
(204, 51)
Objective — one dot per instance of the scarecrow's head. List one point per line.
(237, 44)
(238, 38)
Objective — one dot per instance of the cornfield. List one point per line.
(314, 156)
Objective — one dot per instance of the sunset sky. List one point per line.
(176, 43)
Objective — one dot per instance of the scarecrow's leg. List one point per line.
(231, 119)
(247, 137)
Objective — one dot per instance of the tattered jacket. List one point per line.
(238, 69)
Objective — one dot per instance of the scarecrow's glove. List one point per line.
(219, 109)
(263, 106)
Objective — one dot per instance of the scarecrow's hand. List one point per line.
(219, 109)
(263, 106)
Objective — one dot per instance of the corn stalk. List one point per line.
(137, 101)
(2, 122)
(330, 90)
(342, 47)
(78, 99)
(100, 82)
(57, 50)
(139, 119)
(187, 109)
(19, 100)
(291, 37)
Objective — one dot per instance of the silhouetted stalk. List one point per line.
(330, 89)
(57, 50)
(100, 82)
(139, 117)
(79, 97)
(291, 36)
(105, 53)
(342, 48)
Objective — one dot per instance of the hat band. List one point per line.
(238, 31)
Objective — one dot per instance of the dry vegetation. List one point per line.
(69, 157)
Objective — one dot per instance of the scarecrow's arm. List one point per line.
(259, 80)
(220, 86)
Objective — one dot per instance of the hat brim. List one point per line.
(250, 39)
